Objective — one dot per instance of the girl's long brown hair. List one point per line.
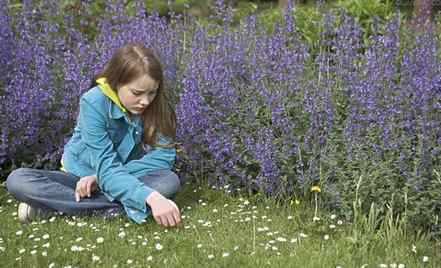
(133, 61)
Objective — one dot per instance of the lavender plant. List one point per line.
(256, 109)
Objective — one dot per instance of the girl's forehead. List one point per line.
(144, 83)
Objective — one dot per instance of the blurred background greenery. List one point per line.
(307, 12)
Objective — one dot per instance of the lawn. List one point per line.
(221, 228)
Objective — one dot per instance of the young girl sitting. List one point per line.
(120, 154)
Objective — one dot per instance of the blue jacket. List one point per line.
(107, 142)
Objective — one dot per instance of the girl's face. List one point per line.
(138, 94)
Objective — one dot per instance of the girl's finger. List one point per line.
(77, 190)
(88, 187)
(157, 219)
(83, 189)
(178, 213)
(80, 189)
(171, 220)
(164, 221)
(176, 219)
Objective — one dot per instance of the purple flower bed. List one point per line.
(256, 109)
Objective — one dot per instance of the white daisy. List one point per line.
(281, 239)
(303, 235)
(95, 258)
(122, 234)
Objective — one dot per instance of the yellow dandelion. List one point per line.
(315, 189)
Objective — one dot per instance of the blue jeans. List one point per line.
(55, 190)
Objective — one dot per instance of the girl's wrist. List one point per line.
(153, 197)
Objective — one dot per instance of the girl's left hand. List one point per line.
(85, 187)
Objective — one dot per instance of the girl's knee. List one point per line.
(18, 181)
(171, 184)
(175, 181)
(166, 182)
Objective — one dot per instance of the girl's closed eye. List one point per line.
(136, 93)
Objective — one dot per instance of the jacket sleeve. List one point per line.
(155, 159)
(113, 178)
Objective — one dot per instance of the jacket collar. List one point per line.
(118, 110)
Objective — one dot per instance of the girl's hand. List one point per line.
(85, 187)
(165, 212)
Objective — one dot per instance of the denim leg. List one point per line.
(53, 190)
(166, 182)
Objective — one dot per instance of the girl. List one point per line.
(120, 154)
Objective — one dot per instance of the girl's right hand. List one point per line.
(165, 212)
(85, 187)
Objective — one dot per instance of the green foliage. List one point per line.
(370, 13)
(309, 18)
(163, 7)
(365, 10)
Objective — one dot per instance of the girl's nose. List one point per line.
(145, 101)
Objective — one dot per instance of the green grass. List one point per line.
(251, 232)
